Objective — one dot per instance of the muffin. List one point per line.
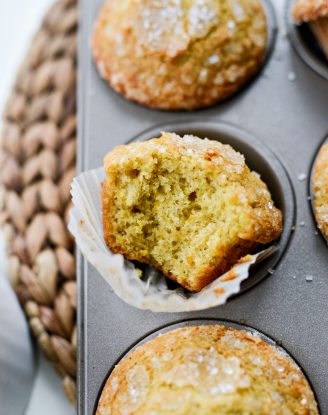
(320, 190)
(189, 207)
(173, 54)
(207, 370)
(315, 12)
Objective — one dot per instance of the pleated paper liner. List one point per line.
(151, 291)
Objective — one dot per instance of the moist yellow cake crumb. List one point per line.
(207, 370)
(189, 207)
(179, 54)
(320, 190)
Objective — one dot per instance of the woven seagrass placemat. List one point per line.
(38, 157)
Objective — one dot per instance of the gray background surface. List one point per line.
(286, 108)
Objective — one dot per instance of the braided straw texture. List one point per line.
(38, 155)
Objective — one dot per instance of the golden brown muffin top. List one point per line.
(308, 10)
(188, 145)
(320, 190)
(175, 54)
(207, 370)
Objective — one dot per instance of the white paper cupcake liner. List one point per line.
(151, 291)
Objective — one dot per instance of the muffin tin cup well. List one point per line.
(260, 159)
(310, 184)
(287, 306)
(305, 44)
(200, 322)
(272, 30)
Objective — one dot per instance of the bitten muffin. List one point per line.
(174, 54)
(315, 12)
(207, 370)
(320, 190)
(189, 207)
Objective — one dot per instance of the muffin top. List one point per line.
(309, 10)
(174, 54)
(320, 190)
(207, 370)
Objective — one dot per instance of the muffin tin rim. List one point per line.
(272, 31)
(204, 321)
(265, 152)
(308, 57)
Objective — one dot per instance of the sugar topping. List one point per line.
(213, 59)
(207, 370)
(161, 24)
(231, 24)
(203, 75)
(212, 151)
(203, 14)
(230, 340)
(114, 384)
(104, 410)
(219, 79)
(237, 10)
(137, 379)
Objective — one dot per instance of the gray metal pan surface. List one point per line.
(285, 108)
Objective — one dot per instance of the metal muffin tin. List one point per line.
(283, 111)
(201, 322)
